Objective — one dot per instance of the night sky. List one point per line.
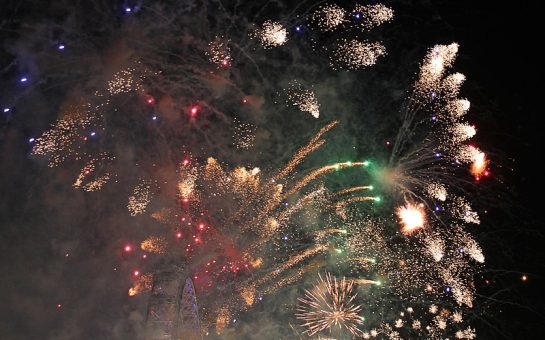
(59, 245)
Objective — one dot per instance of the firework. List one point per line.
(140, 198)
(412, 218)
(245, 232)
(437, 191)
(63, 140)
(157, 245)
(371, 16)
(219, 52)
(480, 162)
(88, 179)
(243, 135)
(461, 209)
(271, 34)
(329, 17)
(304, 99)
(436, 61)
(433, 324)
(143, 284)
(354, 54)
(423, 168)
(436, 248)
(468, 333)
(250, 212)
(314, 144)
(330, 304)
(124, 81)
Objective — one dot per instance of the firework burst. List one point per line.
(330, 304)
(271, 34)
(243, 232)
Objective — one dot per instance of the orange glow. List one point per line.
(478, 167)
(412, 218)
(256, 263)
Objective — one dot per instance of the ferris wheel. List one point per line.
(173, 312)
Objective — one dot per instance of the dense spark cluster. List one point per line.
(371, 16)
(437, 191)
(329, 17)
(471, 154)
(243, 134)
(461, 132)
(304, 99)
(96, 183)
(432, 70)
(188, 175)
(62, 140)
(124, 81)
(219, 52)
(436, 324)
(435, 246)
(156, 245)
(271, 34)
(329, 304)
(467, 333)
(142, 284)
(354, 54)
(461, 209)
(72, 136)
(140, 198)
(88, 179)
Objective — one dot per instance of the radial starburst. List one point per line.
(330, 304)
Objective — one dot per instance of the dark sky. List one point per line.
(499, 54)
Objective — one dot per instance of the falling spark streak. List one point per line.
(367, 282)
(339, 206)
(346, 201)
(293, 277)
(321, 234)
(300, 155)
(301, 203)
(320, 172)
(292, 261)
(352, 189)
